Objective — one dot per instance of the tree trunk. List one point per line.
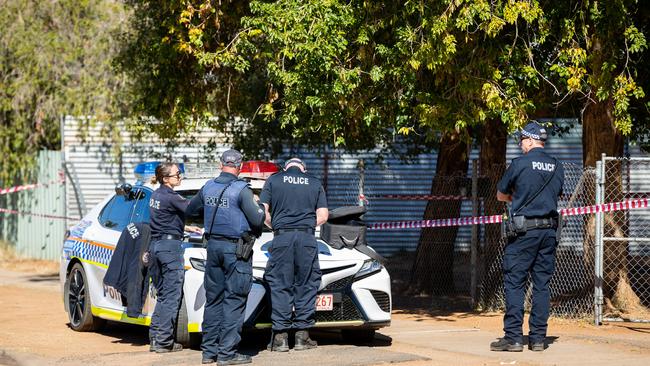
(491, 167)
(600, 136)
(432, 270)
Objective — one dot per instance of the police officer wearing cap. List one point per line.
(295, 204)
(167, 212)
(230, 212)
(532, 183)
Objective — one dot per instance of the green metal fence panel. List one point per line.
(34, 236)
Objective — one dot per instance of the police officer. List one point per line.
(230, 212)
(167, 212)
(532, 183)
(295, 204)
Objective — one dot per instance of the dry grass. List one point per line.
(11, 261)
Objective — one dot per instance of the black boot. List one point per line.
(303, 341)
(279, 342)
(174, 347)
(237, 359)
(506, 345)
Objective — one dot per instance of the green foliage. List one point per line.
(596, 51)
(356, 74)
(55, 61)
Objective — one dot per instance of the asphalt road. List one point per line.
(34, 331)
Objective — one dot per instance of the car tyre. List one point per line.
(77, 301)
(358, 335)
(182, 335)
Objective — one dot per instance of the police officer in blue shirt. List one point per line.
(230, 213)
(295, 204)
(167, 212)
(532, 183)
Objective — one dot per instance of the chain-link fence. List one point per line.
(448, 266)
(572, 286)
(623, 242)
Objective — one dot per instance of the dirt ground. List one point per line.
(34, 331)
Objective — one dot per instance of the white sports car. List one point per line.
(354, 296)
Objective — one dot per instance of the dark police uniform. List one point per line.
(293, 272)
(533, 251)
(228, 280)
(167, 209)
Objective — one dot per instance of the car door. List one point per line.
(101, 239)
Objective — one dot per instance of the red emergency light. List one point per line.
(258, 169)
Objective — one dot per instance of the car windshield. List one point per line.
(197, 219)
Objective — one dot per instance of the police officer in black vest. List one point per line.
(230, 212)
(167, 212)
(532, 183)
(295, 204)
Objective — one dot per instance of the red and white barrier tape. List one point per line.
(26, 187)
(418, 197)
(8, 211)
(494, 219)
(458, 221)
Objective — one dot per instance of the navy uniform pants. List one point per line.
(227, 282)
(293, 274)
(167, 257)
(534, 253)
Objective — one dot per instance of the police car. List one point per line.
(354, 296)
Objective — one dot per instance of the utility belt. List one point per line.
(307, 230)
(167, 237)
(244, 244)
(222, 238)
(514, 226)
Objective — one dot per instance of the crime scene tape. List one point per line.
(417, 197)
(26, 187)
(15, 212)
(495, 219)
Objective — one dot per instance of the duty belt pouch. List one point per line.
(244, 248)
(507, 228)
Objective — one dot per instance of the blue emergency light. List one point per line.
(144, 171)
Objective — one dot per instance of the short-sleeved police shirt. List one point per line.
(167, 209)
(293, 198)
(524, 178)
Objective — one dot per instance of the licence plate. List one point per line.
(325, 302)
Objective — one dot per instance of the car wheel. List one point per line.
(182, 335)
(358, 335)
(77, 301)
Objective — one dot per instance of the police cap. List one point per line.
(295, 162)
(535, 131)
(231, 158)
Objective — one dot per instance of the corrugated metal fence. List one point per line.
(34, 236)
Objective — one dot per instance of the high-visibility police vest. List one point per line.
(229, 220)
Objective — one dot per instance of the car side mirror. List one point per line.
(123, 189)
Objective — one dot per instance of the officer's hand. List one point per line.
(256, 198)
(193, 229)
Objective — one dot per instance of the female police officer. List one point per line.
(167, 223)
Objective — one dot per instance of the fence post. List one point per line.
(598, 244)
(475, 228)
(362, 178)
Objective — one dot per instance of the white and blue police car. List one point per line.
(355, 293)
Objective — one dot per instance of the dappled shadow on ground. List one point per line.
(443, 308)
(645, 329)
(255, 341)
(123, 333)
(43, 278)
(252, 343)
